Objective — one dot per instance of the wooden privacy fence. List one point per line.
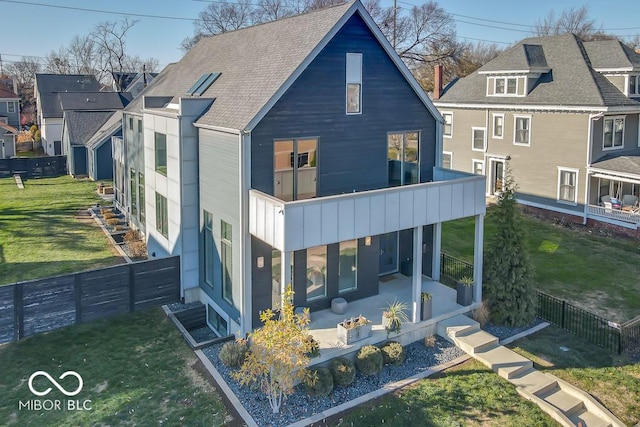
(27, 308)
(34, 167)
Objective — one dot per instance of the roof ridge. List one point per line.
(587, 61)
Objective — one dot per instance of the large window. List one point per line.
(134, 197)
(402, 156)
(447, 160)
(141, 195)
(567, 185)
(295, 162)
(354, 83)
(634, 85)
(522, 133)
(217, 322)
(448, 125)
(208, 249)
(162, 215)
(226, 258)
(478, 139)
(613, 133)
(139, 126)
(498, 126)
(316, 272)
(506, 86)
(348, 266)
(161, 153)
(11, 107)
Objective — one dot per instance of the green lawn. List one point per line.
(136, 369)
(468, 394)
(615, 382)
(40, 234)
(596, 272)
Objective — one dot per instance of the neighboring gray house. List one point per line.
(8, 136)
(47, 87)
(563, 115)
(9, 107)
(300, 151)
(132, 82)
(99, 149)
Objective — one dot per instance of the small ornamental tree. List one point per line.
(278, 353)
(508, 271)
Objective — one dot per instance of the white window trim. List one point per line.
(350, 80)
(493, 79)
(450, 153)
(493, 125)
(474, 162)
(484, 144)
(515, 119)
(13, 107)
(627, 79)
(575, 198)
(444, 135)
(624, 124)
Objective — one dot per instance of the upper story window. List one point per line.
(226, 260)
(354, 83)
(522, 133)
(613, 133)
(162, 215)
(161, 153)
(634, 85)
(11, 107)
(506, 86)
(498, 126)
(479, 142)
(139, 126)
(130, 123)
(402, 157)
(447, 131)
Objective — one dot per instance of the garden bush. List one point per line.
(343, 371)
(138, 249)
(108, 215)
(113, 221)
(314, 345)
(319, 383)
(369, 360)
(392, 353)
(233, 353)
(131, 236)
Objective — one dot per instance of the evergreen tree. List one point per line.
(508, 271)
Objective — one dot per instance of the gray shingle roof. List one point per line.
(82, 125)
(255, 62)
(48, 83)
(110, 128)
(93, 100)
(628, 162)
(571, 81)
(610, 54)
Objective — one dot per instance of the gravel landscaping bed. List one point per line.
(177, 306)
(203, 334)
(502, 332)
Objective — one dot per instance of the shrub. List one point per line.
(138, 249)
(104, 211)
(430, 341)
(113, 221)
(313, 345)
(233, 353)
(320, 384)
(108, 215)
(481, 314)
(131, 236)
(392, 353)
(369, 360)
(118, 228)
(343, 371)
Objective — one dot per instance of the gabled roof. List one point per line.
(124, 79)
(257, 64)
(6, 93)
(94, 100)
(48, 83)
(571, 81)
(110, 128)
(8, 129)
(611, 55)
(82, 125)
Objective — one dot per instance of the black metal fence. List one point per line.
(596, 329)
(27, 308)
(34, 167)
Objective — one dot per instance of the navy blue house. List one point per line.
(298, 152)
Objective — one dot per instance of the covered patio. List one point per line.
(397, 286)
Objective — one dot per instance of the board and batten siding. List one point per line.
(352, 149)
(219, 165)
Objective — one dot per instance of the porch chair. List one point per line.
(629, 201)
(606, 201)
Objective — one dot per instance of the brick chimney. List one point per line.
(437, 82)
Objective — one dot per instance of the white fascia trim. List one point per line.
(373, 27)
(161, 113)
(612, 174)
(218, 128)
(533, 70)
(614, 70)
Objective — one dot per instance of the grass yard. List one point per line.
(468, 394)
(615, 383)
(40, 234)
(598, 273)
(136, 368)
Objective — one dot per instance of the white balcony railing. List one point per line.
(290, 226)
(615, 214)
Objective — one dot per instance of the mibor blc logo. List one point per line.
(55, 405)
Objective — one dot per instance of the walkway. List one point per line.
(565, 403)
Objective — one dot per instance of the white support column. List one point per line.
(478, 257)
(417, 273)
(437, 248)
(285, 274)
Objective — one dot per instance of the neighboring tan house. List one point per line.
(304, 143)
(47, 87)
(563, 115)
(84, 115)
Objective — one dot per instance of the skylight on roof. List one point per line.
(203, 83)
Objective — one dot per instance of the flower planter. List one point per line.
(426, 310)
(465, 294)
(351, 334)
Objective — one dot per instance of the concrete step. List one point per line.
(567, 403)
(456, 325)
(534, 381)
(506, 363)
(589, 419)
(475, 341)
